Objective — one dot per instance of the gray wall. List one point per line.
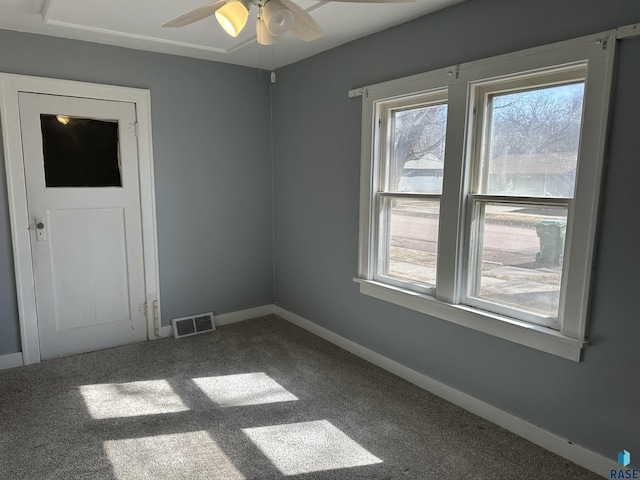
(9, 328)
(212, 164)
(317, 161)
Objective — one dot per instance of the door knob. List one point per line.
(39, 221)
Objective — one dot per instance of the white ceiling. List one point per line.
(138, 24)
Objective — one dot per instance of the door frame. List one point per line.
(10, 85)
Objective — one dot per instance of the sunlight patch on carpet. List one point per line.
(115, 400)
(182, 455)
(243, 389)
(299, 448)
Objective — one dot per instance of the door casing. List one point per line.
(10, 85)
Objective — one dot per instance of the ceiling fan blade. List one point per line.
(195, 15)
(372, 1)
(304, 26)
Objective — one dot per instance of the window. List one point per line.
(409, 193)
(524, 166)
(480, 188)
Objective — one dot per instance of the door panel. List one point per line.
(87, 253)
(91, 276)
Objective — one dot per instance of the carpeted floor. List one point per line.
(261, 399)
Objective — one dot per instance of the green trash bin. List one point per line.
(551, 234)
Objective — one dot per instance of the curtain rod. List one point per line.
(621, 33)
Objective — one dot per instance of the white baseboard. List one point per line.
(227, 318)
(248, 314)
(12, 360)
(565, 448)
(166, 331)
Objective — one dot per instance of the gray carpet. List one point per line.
(261, 399)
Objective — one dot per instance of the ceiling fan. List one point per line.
(275, 18)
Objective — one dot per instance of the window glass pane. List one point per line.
(80, 152)
(417, 160)
(410, 240)
(533, 142)
(520, 254)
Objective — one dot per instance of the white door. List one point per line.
(83, 195)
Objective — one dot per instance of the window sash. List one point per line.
(482, 92)
(383, 242)
(385, 132)
(473, 258)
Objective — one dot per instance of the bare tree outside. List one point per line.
(417, 132)
(533, 144)
(537, 121)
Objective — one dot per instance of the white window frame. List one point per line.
(462, 83)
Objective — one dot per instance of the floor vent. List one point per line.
(193, 325)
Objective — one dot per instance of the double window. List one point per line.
(480, 188)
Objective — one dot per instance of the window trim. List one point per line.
(598, 52)
(534, 336)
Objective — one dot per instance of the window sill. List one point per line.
(533, 336)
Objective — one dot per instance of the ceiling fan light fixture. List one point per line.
(262, 34)
(277, 17)
(232, 17)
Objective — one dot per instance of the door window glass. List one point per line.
(80, 152)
